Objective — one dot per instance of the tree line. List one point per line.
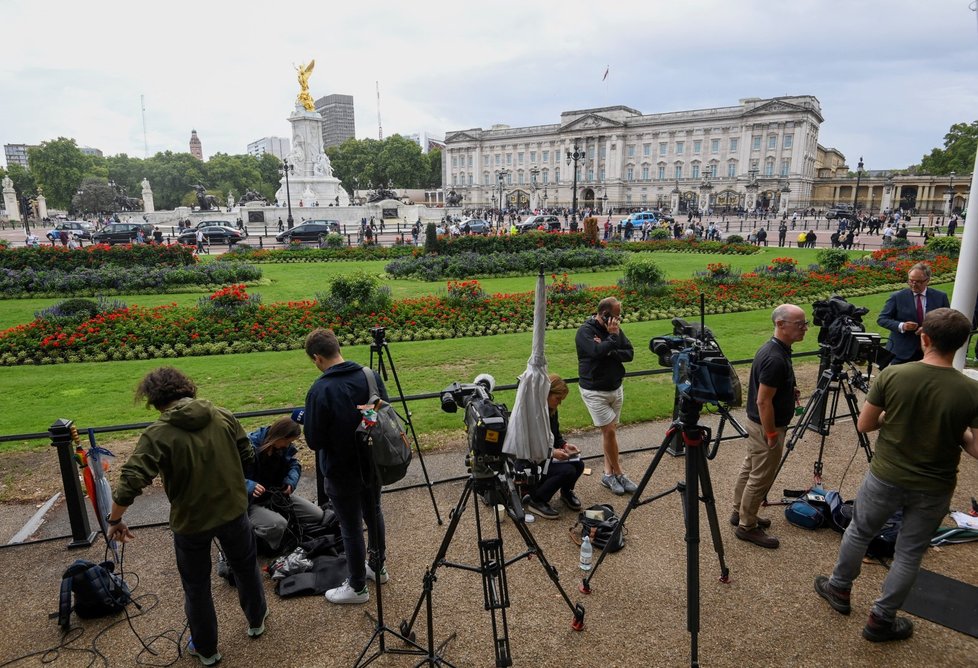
(72, 180)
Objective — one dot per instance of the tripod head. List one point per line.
(380, 338)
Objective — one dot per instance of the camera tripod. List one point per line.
(833, 382)
(678, 449)
(695, 439)
(492, 565)
(378, 349)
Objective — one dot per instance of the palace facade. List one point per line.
(759, 153)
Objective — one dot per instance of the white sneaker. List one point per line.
(384, 577)
(345, 594)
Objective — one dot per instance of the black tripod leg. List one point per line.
(672, 434)
(706, 486)
(410, 423)
(854, 412)
(813, 408)
(495, 590)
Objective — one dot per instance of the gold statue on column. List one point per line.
(304, 98)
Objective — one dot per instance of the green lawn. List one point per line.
(284, 282)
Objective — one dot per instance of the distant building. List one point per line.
(338, 120)
(196, 149)
(426, 141)
(16, 154)
(88, 150)
(277, 146)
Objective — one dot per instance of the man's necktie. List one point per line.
(920, 309)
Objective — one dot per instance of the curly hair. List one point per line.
(161, 387)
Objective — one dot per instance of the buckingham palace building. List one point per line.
(759, 153)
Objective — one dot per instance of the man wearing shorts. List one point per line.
(602, 350)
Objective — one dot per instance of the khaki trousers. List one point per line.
(757, 474)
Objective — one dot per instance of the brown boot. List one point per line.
(762, 522)
(758, 537)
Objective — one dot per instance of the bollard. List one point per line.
(63, 436)
(260, 242)
(266, 229)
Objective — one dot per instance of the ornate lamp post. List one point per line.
(855, 195)
(534, 173)
(501, 177)
(750, 204)
(286, 169)
(573, 157)
(705, 189)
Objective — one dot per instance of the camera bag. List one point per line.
(602, 526)
(812, 510)
(386, 438)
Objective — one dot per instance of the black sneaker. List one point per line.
(876, 630)
(541, 508)
(570, 499)
(838, 599)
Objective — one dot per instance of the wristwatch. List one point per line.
(111, 522)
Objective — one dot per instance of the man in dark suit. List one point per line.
(904, 311)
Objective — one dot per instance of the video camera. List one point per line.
(700, 371)
(844, 335)
(485, 423)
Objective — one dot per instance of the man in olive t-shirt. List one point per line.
(926, 412)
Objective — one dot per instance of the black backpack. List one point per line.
(388, 442)
(98, 591)
(599, 522)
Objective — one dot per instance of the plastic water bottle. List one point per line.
(587, 551)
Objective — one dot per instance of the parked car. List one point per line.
(548, 222)
(121, 233)
(213, 234)
(840, 213)
(476, 226)
(311, 230)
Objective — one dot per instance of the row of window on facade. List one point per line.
(679, 148)
(631, 173)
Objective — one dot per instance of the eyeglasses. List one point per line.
(914, 281)
(800, 323)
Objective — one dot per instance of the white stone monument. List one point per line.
(42, 205)
(312, 177)
(148, 205)
(10, 200)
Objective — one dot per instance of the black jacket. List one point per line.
(600, 366)
(331, 422)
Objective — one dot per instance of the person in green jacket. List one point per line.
(199, 451)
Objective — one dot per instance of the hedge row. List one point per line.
(68, 259)
(469, 264)
(116, 279)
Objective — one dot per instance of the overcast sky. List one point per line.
(891, 76)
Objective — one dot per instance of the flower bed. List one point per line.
(299, 253)
(242, 324)
(687, 246)
(117, 279)
(98, 255)
(468, 264)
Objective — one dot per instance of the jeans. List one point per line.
(560, 475)
(875, 502)
(757, 473)
(271, 525)
(194, 564)
(352, 511)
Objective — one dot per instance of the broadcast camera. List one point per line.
(485, 423)
(700, 371)
(842, 333)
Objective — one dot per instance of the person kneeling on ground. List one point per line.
(271, 481)
(565, 464)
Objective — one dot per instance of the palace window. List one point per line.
(646, 150)
(533, 156)
(590, 174)
(784, 167)
(698, 146)
(663, 148)
(769, 168)
(772, 141)
(557, 175)
(645, 172)
(630, 150)
(470, 162)
(756, 143)
(732, 170)
(788, 141)
(509, 158)
(679, 171)
(519, 157)
(546, 156)
(498, 160)
(714, 146)
(454, 161)
(546, 176)
(733, 144)
(679, 147)
(696, 172)
(601, 174)
(470, 178)
(629, 173)
(662, 172)
(713, 170)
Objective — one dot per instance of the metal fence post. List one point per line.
(63, 435)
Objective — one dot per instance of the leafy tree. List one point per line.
(95, 195)
(23, 181)
(58, 166)
(355, 163)
(234, 173)
(402, 163)
(433, 179)
(173, 176)
(268, 169)
(958, 154)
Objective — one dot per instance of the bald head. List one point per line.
(790, 323)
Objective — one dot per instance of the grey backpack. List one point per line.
(390, 449)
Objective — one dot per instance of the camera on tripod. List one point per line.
(380, 336)
(700, 370)
(843, 334)
(485, 423)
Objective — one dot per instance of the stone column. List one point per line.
(887, 201)
(42, 206)
(10, 200)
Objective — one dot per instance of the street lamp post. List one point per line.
(855, 195)
(500, 177)
(287, 168)
(573, 157)
(950, 195)
(750, 202)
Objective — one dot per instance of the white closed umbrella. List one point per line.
(528, 434)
